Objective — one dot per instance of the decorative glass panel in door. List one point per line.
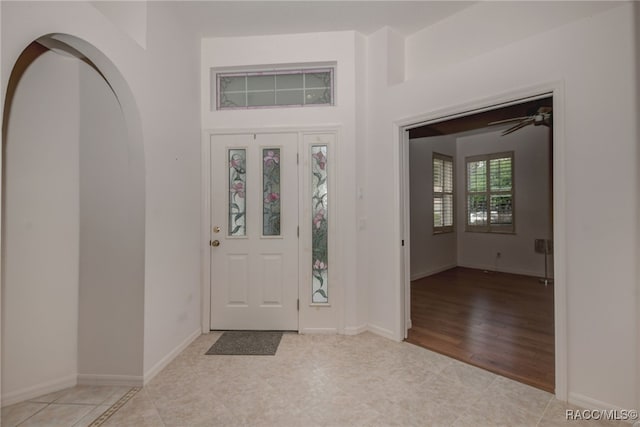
(271, 191)
(319, 233)
(237, 191)
(254, 231)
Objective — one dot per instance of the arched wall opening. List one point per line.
(73, 193)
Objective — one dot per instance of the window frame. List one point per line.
(489, 227)
(219, 74)
(435, 194)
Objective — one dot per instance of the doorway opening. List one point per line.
(72, 222)
(254, 231)
(294, 286)
(480, 227)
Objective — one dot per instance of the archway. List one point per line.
(73, 222)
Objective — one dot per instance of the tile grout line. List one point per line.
(32, 415)
(115, 407)
(545, 410)
(74, 403)
(153, 402)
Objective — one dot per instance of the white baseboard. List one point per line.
(39, 390)
(125, 380)
(162, 363)
(587, 402)
(382, 332)
(503, 270)
(355, 330)
(422, 274)
(332, 331)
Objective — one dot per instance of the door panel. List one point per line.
(254, 209)
(238, 288)
(272, 283)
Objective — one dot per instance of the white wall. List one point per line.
(2, 137)
(170, 113)
(338, 47)
(382, 239)
(637, 172)
(40, 253)
(488, 26)
(110, 333)
(430, 253)
(356, 320)
(593, 59)
(532, 213)
(130, 17)
(157, 89)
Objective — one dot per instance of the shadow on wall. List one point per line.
(73, 196)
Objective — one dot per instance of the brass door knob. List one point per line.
(215, 243)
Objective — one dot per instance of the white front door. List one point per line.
(254, 231)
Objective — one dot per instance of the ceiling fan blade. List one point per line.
(516, 127)
(515, 119)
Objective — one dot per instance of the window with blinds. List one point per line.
(490, 195)
(279, 88)
(442, 193)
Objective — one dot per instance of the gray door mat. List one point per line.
(247, 343)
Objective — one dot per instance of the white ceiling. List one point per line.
(247, 18)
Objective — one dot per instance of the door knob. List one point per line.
(215, 243)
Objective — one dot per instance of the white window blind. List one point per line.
(490, 193)
(442, 193)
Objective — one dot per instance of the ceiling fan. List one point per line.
(543, 116)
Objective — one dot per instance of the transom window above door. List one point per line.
(277, 88)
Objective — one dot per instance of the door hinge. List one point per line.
(298, 232)
(210, 243)
(298, 305)
(403, 243)
(297, 158)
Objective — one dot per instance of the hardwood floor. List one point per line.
(497, 321)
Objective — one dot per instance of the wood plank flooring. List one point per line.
(500, 322)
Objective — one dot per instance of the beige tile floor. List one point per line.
(72, 407)
(332, 380)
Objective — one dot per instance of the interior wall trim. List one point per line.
(489, 267)
(39, 390)
(325, 331)
(113, 380)
(355, 330)
(383, 332)
(588, 402)
(162, 363)
(423, 274)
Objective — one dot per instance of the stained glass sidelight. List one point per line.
(319, 233)
(271, 191)
(237, 192)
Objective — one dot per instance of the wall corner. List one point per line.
(395, 57)
(129, 16)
